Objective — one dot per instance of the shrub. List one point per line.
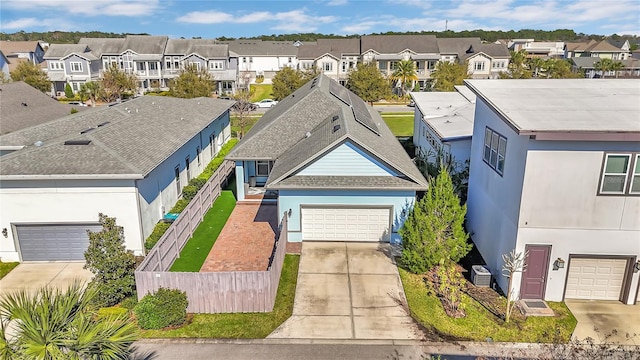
(189, 192)
(179, 206)
(157, 233)
(167, 307)
(198, 182)
(73, 111)
(129, 303)
(68, 92)
(112, 312)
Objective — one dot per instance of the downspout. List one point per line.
(144, 251)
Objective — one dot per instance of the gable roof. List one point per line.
(334, 47)
(14, 47)
(393, 44)
(206, 48)
(457, 46)
(127, 140)
(311, 122)
(100, 46)
(61, 51)
(249, 47)
(563, 105)
(145, 44)
(40, 108)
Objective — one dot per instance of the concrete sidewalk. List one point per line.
(31, 276)
(348, 291)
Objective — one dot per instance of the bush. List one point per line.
(111, 312)
(68, 92)
(73, 111)
(179, 206)
(167, 307)
(198, 182)
(189, 192)
(157, 233)
(129, 303)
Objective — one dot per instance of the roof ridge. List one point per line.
(114, 154)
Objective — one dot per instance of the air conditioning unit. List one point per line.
(480, 276)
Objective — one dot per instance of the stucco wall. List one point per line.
(293, 199)
(67, 201)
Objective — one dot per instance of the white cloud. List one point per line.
(19, 24)
(337, 2)
(206, 17)
(39, 23)
(88, 8)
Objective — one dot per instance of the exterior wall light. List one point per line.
(636, 266)
(5, 232)
(289, 212)
(558, 264)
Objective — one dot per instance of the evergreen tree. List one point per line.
(192, 83)
(110, 262)
(433, 232)
(447, 75)
(286, 81)
(68, 92)
(518, 67)
(368, 83)
(31, 74)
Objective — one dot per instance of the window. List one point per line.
(394, 65)
(198, 154)
(620, 174)
(478, 65)
(495, 148)
(176, 172)
(343, 66)
(327, 66)
(140, 66)
(250, 59)
(56, 65)
(195, 64)
(186, 167)
(76, 67)
(431, 64)
(216, 65)
(263, 168)
(153, 66)
(211, 144)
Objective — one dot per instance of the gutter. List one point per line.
(74, 177)
(11, 147)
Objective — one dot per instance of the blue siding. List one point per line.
(347, 160)
(400, 201)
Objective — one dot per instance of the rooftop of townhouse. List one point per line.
(449, 114)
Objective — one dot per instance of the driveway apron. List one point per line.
(348, 291)
(31, 276)
(606, 321)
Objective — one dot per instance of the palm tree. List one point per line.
(603, 65)
(617, 66)
(405, 74)
(91, 90)
(54, 324)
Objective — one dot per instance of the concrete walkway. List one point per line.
(348, 291)
(31, 276)
(607, 317)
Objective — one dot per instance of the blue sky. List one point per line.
(237, 18)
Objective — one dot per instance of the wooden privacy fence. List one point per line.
(211, 292)
(224, 292)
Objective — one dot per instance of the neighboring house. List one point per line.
(262, 58)
(555, 174)
(334, 57)
(19, 51)
(24, 106)
(338, 172)
(631, 68)
(4, 65)
(204, 54)
(129, 161)
(443, 124)
(486, 61)
(387, 50)
(72, 64)
(600, 49)
(538, 49)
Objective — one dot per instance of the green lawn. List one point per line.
(197, 248)
(241, 326)
(480, 324)
(6, 267)
(401, 124)
(261, 91)
(235, 128)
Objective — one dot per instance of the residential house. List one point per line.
(334, 57)
(259, 59)
(486, 61)
(129, 161)
(555, 175)
(72, 64)
(387, 50)
(24, 106)
(443, 125)
(335, 168)
(630, 68)
(600, 49)
(4, 65)
(204, 54)
(19, 51)
(538, 49)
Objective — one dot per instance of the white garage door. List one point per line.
(595, 279)
(54, 242)
(345, 224)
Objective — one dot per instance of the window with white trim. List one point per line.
(176, 172)
(495, 149)
(478, 65)
(327, 66)
(76, 66)
(263, 167)
(620, 174)
(216, 65)
(187, 163)
(56, 65)
(195, 64)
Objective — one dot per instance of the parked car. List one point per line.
(411, 103)
(76, 103)
(266, 103)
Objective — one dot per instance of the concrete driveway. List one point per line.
(606, 316)
(348, 291)
(32, 276)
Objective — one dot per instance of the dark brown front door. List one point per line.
(534, 277)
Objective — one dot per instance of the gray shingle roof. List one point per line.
(457, 46)
(140, 135)
(392, 44)
(346, 182)
(261, 48)
(203, 47)
(300, 129)
(40, 108)
(58, 51)
(100, 46)
(145, 44)
(335, 47)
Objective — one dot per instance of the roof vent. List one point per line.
(336, 127)
(308, 134)
(182, 119)
(86, 130)
(103, 123)
(335, 118)
(23, 104)
(38, 143)
(77, 142)
(128, 111)
(136, 110)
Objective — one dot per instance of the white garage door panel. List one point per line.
(595, 279)
(355, 224)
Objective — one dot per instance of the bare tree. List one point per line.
(241, 109)
(513, 263)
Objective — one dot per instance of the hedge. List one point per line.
(189, 192)
(167, 307)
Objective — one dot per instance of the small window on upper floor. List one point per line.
(620, 174)
(495, 149)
